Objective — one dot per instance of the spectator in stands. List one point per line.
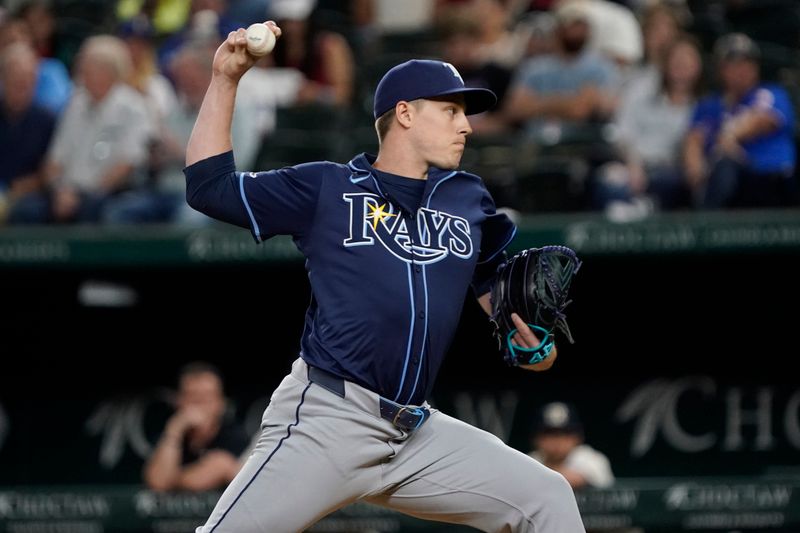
(145, 76)
(498, 41)
(541, 29)
(53, 85)
(199, 447)
(25, 127)
(457, 35)
(662, 24)
(740, 149)
(162, 199)
(100, 142)
(567, 89)
(324, 57)
(558, 443)
(410, 16)
(260, 91)
(477, 37)
(356, 19)
(652, 122)
(41, 24)
(615, 31)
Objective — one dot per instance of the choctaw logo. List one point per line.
(439, 233)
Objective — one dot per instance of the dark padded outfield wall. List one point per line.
(682, 365)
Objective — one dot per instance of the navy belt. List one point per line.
(405, 417)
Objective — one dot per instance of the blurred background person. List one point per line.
(541, 28)
(145, 76)
(41, 23)
(651, 124)
(662, 24)
(356, 19)
(162, 198)
(261, 91)
(99, 144)
(199, 446)
(25, 127)
(456, 33)
(323, 57)
(615, 32)
(497, 40)
(53, 83)
(558, 443)
(409, 16)
(567, 89)
(740, 149)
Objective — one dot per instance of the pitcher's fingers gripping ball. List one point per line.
(260, 39)
(534, 284)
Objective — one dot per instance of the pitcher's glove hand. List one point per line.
(534, 284)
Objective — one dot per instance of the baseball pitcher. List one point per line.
(392, 243)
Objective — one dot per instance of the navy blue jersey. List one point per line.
(387, 285)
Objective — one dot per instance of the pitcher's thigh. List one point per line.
(460, 474)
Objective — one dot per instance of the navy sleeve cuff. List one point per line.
(216, 165)
(212, 188)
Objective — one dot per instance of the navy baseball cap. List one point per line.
(425, 78)
(735, 46)
(560, 417)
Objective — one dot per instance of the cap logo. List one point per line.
(455, 72)
(556, 415)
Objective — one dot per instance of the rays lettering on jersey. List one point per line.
(440, 234)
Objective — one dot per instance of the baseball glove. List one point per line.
(534, 284)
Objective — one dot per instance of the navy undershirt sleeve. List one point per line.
(212, 188)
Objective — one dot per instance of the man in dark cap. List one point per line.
(740, 149)
(558, 444)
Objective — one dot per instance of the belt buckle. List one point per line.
(400, 411)
(415, 411)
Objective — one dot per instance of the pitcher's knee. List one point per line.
(550, 507)
(558, 486)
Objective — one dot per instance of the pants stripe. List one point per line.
(280, 442)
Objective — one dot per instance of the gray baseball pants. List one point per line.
(319, 452)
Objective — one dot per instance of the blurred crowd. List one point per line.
(625, 107)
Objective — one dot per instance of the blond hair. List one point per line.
(110, 51)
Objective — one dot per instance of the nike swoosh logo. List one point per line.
(354, 179)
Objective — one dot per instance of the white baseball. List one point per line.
(260, 39)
